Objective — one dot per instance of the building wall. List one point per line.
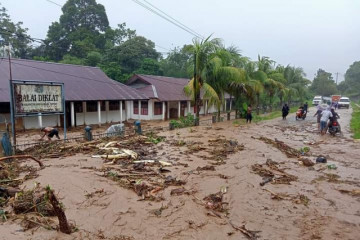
(33, 122)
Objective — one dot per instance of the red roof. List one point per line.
(82, 83)
(160, 87)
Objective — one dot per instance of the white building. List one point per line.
(167, 99)
(91, 97)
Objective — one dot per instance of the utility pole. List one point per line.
(12, 106)
(337, 76)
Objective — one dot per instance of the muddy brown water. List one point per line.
(117, 213)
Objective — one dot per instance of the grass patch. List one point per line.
(272, 115)
(355, 121)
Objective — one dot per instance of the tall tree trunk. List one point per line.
(257, 103)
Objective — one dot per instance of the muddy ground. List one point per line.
(313, 202)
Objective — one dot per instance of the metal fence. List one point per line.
(127, 132)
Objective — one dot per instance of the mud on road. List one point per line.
(219, 195)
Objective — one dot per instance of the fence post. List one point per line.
(88, 133)
(213, 119)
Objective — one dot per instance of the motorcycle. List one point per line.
(300, 114)
(334, 128)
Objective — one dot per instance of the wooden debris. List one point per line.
(22, 157)
(59, 212)
(252, 235)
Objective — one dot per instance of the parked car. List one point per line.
(344, 102)
(317, 100)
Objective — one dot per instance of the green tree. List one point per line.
(202, 51)
(177, 63)
(14, 34)
(93, 59)
(351, 84)
(151, 67)
(80, 30)
(323, 84)
(130, 55)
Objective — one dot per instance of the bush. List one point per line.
(183, 122)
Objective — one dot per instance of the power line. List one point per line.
(173, 19)
(54, 3)
(162, 16)
(61, 6)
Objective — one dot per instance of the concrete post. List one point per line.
(206, 107)
(139, 105)
(168, 110)
(72, 114)
(121, 111)
(188, 107)
(84, 111)
(150, 109)
(179, 109)
(107, 111)
(40, 120)
(99, 112)
(163, 111)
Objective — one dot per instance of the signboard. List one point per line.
(34, 98)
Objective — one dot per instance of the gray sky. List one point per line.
(308, 33)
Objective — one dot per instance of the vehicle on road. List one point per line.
(344, 102)
(335, 98)
(334, 128)
(317, 100)
(300, 114)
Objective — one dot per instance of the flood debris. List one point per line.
(297, 198)
(306, 162)
(252, 235)
(354, 192)
(64, 226)
(272, 173)
(22, 157)
(206, 168)
(289, 151)
(215, 202)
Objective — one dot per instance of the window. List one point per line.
(114, 105)
(91, 106)
(144, 108)
(78, 107)
(136, 107)
(158, 108)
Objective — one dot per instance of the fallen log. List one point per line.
(59, 212)
(22, 157)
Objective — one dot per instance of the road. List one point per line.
(319, 203)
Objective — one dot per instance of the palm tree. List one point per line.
(201, 50)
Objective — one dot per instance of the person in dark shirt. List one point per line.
(248, 114)
(285, 111)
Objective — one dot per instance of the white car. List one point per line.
(317, 100)
(344, 102)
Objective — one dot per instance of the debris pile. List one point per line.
(289, 151)
(272, 173)
(298, 198)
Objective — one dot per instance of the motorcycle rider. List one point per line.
(334, 117)
(325, 115)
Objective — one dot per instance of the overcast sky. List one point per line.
(308, 33)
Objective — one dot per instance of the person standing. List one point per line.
(50, 132)
(318, 114)
(325, 115)
(285, 111)
(248, 114)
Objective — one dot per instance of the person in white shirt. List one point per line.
(325, 115)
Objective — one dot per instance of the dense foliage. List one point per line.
(83, 36)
